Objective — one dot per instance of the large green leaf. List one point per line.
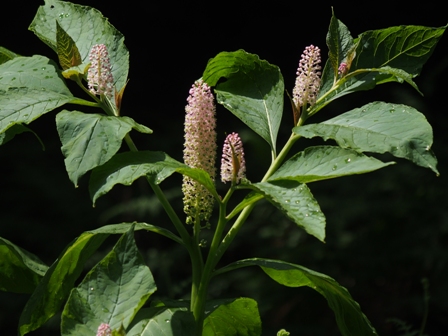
(55, 286)
(125, 168)
(253, 90)
(380, 127)
(162, 321)
(112, 292)
(234, 317)
(20, 270)
(349, 317)
(326, 162)
(29, 88)
(384, 55)
(297, 202)
(90, 140)
(86, 26)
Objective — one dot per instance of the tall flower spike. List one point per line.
(308, 78)
(99, 77)
(199, 150)
(104, 330)
(233, 165)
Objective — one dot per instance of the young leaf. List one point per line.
(235, 317)
(349, 317)
(297, 202)
(380, 127)
(253, 91)
(326, 162)
(66, 49)
(112, 292)
(55, 286)
(29, 88)
(6, 55)
(339, 42)
(125, 168)
(20, 270)
(90, 140)
(87, 27)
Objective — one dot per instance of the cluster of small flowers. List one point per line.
(99, 78)
(199, 150)
(307, 84)
(233, 165)
(104, 330)
(343, 69)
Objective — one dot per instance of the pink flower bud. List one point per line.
(233, 165)
(104, 330)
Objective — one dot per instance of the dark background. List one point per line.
(386, 230)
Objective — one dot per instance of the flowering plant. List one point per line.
(114, 296)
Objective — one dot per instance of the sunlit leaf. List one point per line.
(380, 127)
(112, 292)
(66, 49)
(253, 91)
(326, 162)
(90, 140)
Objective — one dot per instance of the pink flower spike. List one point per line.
(343, 68)
(104, 330)
(307, 84)
(233, 165)
(99, 77)
(199, 150)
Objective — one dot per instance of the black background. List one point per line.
(385, 230)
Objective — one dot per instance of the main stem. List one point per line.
(218, 247)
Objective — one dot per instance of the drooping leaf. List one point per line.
(112, 292)
(29, 88)
(349, 317)
(20, 270)
(90, 140)
(234, 317)
(125, 168)
(253, 91)
(66, 49)
(55, 286)
(87, 27)
(163, 321)
(326, 162)
(11, 132)
(6, 55)
(296, 201)
(380, 127)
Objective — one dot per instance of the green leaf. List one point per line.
(90, 140)
(296, 201)
(20, 270)
(87, 27)
(112, 292)
(6, 55)
(380, 127)
(395, 54)
(125, 168)
(349, 317)
(253, 91)
(55, 286)
(11, 132)
(66, 49)
(251, 198)
(339, 42)
(326, 162)
(234, 317)
(162, 321)
(29, 88)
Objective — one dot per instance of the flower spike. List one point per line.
(233, 165)
(99, 77)
(104, 330)
(307, 84)
(199, 150)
